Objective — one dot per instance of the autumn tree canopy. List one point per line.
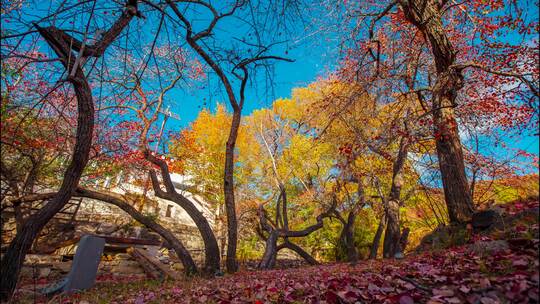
(326, 131)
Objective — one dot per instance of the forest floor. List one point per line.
(499, 267)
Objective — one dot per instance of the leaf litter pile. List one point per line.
(456, 275)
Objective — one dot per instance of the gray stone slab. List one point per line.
(85, 264)
(82, 274)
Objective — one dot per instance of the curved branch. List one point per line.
(120, 202)
(97, 49)
(301, 252)
(521, 77)
(307, 231)
(210, 243)
(183, 254)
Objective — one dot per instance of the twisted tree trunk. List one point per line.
(378, 236)
(228, 189)
(268, 260)
(62, 44)
(275, 232)
(183, 254)
(426, 15)
(301, 252)
(346, 238)
(392, 234)
(211, 248)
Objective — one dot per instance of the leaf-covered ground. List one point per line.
(460, 274)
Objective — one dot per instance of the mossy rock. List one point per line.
(445, 236)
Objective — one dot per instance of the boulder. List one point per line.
(106, 228)
(484, 219)
(127, 268)
(86, 228)
(484, 248)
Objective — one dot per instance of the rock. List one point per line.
(484, 219)
(118, 234)
(41, 259)
(109, 263)
(152, 236)
(63, 267)
(106, 228)
(164, 259)
(44, 272)
(123, 269)
(122, 256)
(127, 263)
(87, 228)
(54, 238)
(153, 251)
(488, 247)
(135, 232)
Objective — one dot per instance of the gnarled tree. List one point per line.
(64, 46)
(443, 39)
(236, 96)
(279, 228)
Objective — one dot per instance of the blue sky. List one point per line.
(313, 57)
(308, 64)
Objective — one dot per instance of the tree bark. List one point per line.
(457, 193)
(62, 44)
(392, 234)
(347, 234)
(270, 253)
(14, 257)
(404, 239)
(228, 189)
(237, 105)
(211, 246)
(426, 16)
(377, 237)
(268, 260)
(346, 238)
(301, 252)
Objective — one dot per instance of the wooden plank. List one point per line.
(131, 241)
(157, 264)
(59, 212)
(76, 210)
(146, 266)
